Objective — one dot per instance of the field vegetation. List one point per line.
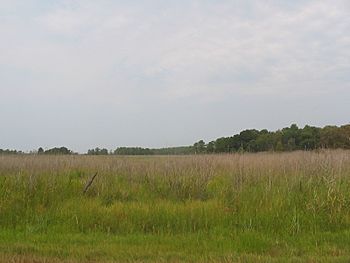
(242, 207)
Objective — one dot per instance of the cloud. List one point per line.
(132, 54)
(248, 48)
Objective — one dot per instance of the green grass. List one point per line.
(289, 207)
(247, 246)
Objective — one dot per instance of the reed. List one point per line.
(276, 206)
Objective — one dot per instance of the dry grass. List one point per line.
(236, 208)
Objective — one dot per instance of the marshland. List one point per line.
(174, 131)
(241, 207)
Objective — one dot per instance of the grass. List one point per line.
(266, 207)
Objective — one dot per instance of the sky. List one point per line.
(155, 73)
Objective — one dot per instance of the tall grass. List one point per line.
(266, 194)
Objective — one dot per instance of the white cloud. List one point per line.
(118, 52)
(186, 48)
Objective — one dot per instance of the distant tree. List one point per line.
(211, 147)
(264, 142)
(345, 135)
(97, 151)
(104, 151)
(222, 145)
(8, 151)
(287, 139)
(59, 151)
(335, 137)
(309, 137)
(133, 151)
(247, 137)
(199, 147)
(235, 143)
(279, 146)
(173, 150)
(329, 137)
(291, 137)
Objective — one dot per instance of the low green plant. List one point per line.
(263, 206)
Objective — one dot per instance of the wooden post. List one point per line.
(89, 183)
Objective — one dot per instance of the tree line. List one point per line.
(250, 140)
(8, 151)
(287, 139)
(53, 151)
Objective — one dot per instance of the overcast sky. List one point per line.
(87, 73)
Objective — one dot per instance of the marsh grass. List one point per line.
(204, 207)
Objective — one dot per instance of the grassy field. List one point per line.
(266, 207)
